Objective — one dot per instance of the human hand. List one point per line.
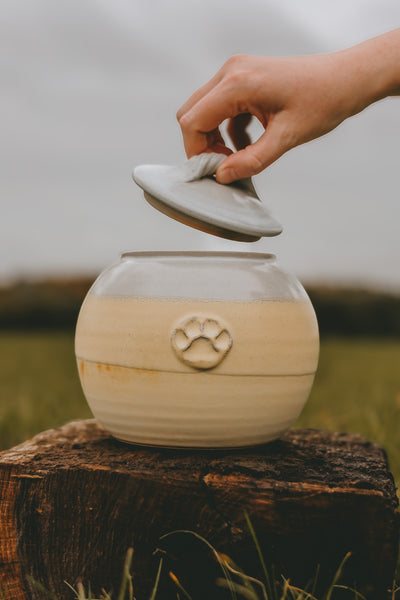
(295, 99)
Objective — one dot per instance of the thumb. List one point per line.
(254, 158)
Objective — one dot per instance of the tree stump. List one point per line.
(73, 500)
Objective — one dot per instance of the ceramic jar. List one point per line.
(196, 349)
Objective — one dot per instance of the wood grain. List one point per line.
(73, 499)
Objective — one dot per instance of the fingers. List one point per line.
(207, 87)
(215, 143)
(255, 157)
(204, 117)
(232, 94)
(198, 94)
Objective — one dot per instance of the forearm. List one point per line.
(371, 70)
(296, 99)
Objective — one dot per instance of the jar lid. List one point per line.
(190, 194)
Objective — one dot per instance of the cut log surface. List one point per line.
(73, 500)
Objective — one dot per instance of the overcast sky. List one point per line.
(90, 88)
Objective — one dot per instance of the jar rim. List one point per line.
(199, 254)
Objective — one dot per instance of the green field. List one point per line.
(357, 389)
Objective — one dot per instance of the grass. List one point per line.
(39, 385)
(357, 389)
(240, 585)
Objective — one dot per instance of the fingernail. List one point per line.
(226, 175)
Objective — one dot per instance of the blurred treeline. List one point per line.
(53, 304)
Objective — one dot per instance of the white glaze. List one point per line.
(189, 190)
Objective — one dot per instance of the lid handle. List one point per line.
(205, 165)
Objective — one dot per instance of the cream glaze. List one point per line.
(142, 392)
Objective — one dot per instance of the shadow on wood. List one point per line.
(72, 500)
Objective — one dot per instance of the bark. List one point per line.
(73, 500)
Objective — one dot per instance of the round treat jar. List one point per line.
(196, 349)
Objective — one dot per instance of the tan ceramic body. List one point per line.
(196, 349)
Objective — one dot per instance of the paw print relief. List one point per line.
(201, 343)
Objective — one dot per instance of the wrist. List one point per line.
(371, 69)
